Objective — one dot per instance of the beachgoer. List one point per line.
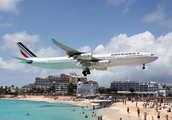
(152, 118)
(138, 112)
(86, 116)
(93, 107)
(27, 114)
(136, 103)
(169, 110)
(145, 114)
(128, 110)
(166, 116)
(158, 116)
(100, 117)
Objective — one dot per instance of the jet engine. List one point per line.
(85, 56)
(102, 62)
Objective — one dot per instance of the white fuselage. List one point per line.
(106, 60)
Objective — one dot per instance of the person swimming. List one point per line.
(86, 116)
(27, 114)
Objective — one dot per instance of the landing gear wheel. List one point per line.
(143, 66)
(88, 71)
(84, 73)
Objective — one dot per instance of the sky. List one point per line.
(97, 26)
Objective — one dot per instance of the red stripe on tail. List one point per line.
(24, 54)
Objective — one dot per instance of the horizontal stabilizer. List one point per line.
(23, 60)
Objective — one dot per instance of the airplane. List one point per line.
(83, 60)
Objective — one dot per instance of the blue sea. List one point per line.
(18, 109)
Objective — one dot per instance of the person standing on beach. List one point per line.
(138, 112)
(158, 116)
(136, 103)
(145, 115)
(128, 110)
(166, 116)
(152, 118)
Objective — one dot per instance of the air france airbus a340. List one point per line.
(82, 60)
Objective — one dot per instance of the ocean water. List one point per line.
(17, 110)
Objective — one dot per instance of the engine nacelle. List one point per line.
(86, 56)
(102, 62)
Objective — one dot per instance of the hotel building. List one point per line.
(60, 82)
(137, 86)
(87, 89)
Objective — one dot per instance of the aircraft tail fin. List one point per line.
(26, 51)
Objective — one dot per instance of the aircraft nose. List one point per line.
(155, 58)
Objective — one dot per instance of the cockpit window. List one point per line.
(152, 54)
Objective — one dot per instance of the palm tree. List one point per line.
(49, 90)
(53, 88)
(131, 90)
(61, 88)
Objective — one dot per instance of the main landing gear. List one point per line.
(86, 71)
(143, 66)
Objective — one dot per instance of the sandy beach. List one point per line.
(115, 111)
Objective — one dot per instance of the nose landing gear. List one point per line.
(86, 71)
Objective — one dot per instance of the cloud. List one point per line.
(48, 52)
(10, 40)
(158, 17)
(9, 6)
(158, 71)
(116, 2)
(9, 44)
(119, 2)
(5, 25)
(85, 49)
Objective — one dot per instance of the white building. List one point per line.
(164, 93)
(86, 89)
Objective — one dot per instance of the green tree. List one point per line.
(61, 88)
(169, 95)
(53, 88)
(114, 90)
(12, 86)
(131, 90)
(70, 89)
(15, 93)
(168, 88)
(49, 90)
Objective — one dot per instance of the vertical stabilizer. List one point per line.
(26, 51)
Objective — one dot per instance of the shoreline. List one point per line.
(114, 112)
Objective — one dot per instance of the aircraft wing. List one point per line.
(71, 52)
(74, 53)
